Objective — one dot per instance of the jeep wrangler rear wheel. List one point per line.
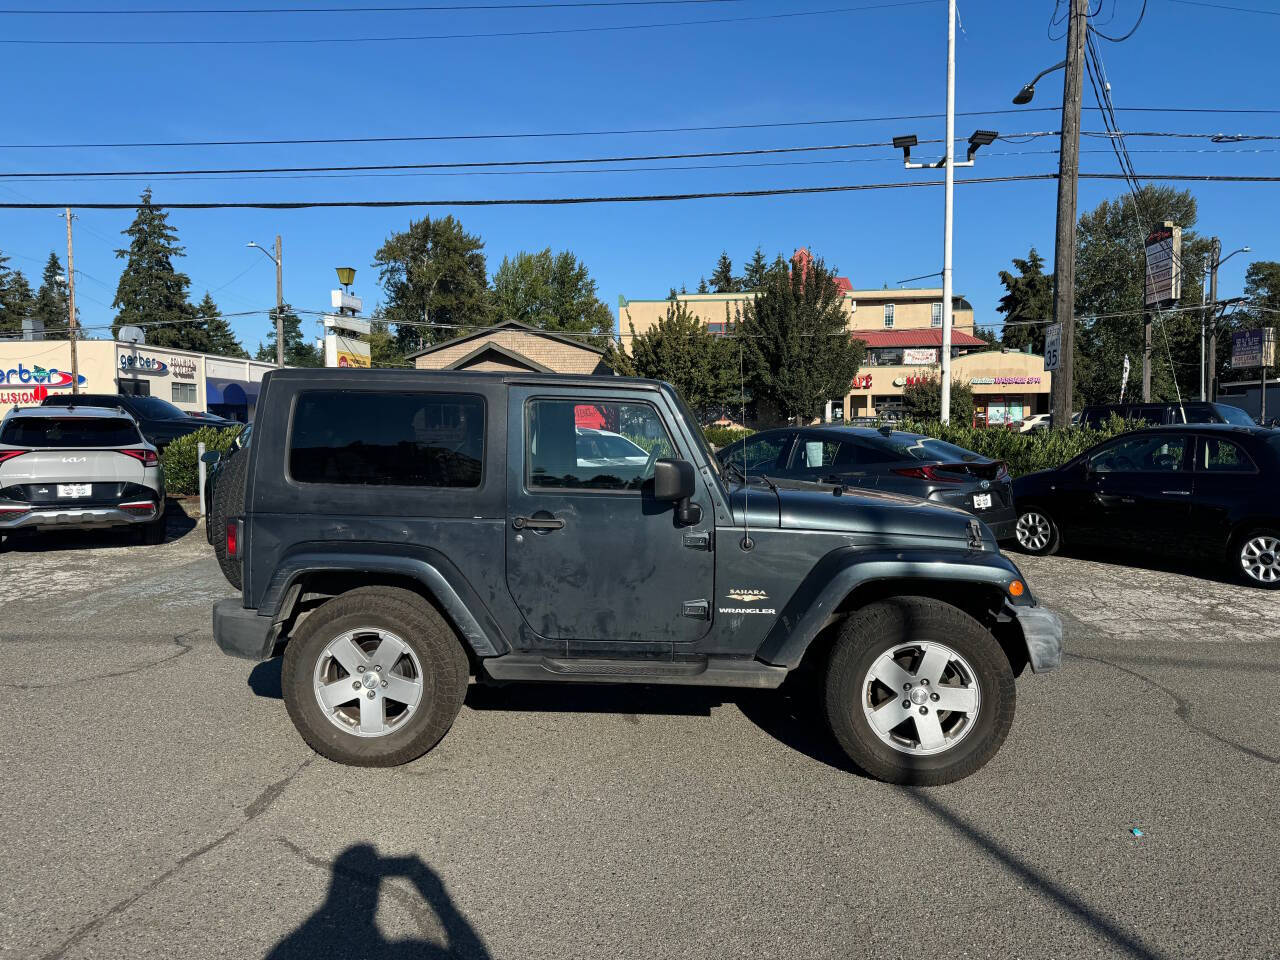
(918, 692)
(374, 677)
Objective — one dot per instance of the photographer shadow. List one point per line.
(345, 926)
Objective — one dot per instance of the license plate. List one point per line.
(982, 501)
(75, 489)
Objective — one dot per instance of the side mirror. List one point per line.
(211, 457)
(674, 482)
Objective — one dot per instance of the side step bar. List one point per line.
(709, 671)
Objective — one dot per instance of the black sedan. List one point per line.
(885, 459)
(1202, 490)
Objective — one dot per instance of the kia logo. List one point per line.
(74, 459)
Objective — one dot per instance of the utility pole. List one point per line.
(72, 333)
(947, 216)
(1146, 356)
(1064, 251)
(1204, 319)
(1211, 373)
(279, 304)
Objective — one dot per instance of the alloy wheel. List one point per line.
(921, 698)
(1033, 531)
(1260, 558)
(368, 682)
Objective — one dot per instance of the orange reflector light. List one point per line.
(1016, 588)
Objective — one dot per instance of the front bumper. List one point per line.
(240, 632)
(1042, 632)
(68, 517)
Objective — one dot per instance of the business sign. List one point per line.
(912, 381)
(1003, 381)
(1253, 348)
(916, 357)
(1052, 346)
(341, 300)
(30, 385)
(1164, 266)
(143, 363)
(861, 382)
(184, 367)
(345, 352)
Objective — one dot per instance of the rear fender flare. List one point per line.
(438, 577)
(843, 571)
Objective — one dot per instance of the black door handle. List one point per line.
(537, 523)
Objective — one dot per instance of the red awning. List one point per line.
(919, 337)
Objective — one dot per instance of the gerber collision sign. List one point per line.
(23, 385)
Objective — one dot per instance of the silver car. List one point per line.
(78, 468)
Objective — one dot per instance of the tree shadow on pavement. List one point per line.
(345, 926)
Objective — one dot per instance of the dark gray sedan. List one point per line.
(885, 459)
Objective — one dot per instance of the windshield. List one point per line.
(62, 432)
(157, 409)
(699, 438)
(910, 446)
(1233, 414)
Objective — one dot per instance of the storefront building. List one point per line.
(195, 382)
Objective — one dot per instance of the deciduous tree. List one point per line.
(551, 291)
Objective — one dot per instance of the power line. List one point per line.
(1224, 6)
(640, 198)
(643, 131)
(504, 34)
(430, 8)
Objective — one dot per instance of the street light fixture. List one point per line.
(278, 260)
(1029, 89)
(977, 139)
(346, 276)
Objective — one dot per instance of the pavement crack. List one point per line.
(259, 806)
(183, 650)
(1182, 710)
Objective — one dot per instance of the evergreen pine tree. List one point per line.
(16, 300)
(702, 285)
(722, 279)
(298, 350)
(51, 300)
(757, 272)
(151, 291)
(222, 341)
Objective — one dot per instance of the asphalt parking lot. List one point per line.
(157, 802)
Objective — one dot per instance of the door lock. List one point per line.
(537, 523)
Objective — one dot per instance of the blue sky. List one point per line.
(842, 65)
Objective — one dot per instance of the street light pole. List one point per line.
(947, 216)
(278, 260)
(1216, 259)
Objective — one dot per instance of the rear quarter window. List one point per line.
(61, 432)
(405, 439)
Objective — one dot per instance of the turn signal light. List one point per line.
(139, 506)
(10, 454)
(148, 458)
(1016, 589)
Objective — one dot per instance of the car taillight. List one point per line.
(10, 454)
(147, 458)
(14, 508)
(139, 506)
(931, 471)
(233, 538)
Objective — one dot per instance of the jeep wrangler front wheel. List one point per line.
(917, 692)
(374, 677)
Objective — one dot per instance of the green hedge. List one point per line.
(723, 436)
(181, 472)
(1023, 452)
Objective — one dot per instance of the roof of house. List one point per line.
(917, 337)
(508, 325)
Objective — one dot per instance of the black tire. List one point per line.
(1031, 518)
(228, 501)
(444, 676)
(878, 629)
(1256, 550)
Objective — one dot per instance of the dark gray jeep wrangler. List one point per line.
(396, 533)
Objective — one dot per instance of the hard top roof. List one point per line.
(459, 377)
(87, 411)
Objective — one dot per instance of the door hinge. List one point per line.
(698, 539)
(696, 609)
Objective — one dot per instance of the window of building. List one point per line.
(184, 392)
(606, 445)
(888, 316)
(935, 314)
(387, 439)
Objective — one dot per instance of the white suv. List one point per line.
(78, 468)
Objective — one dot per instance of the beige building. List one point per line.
(514, 348)
(903, 332)
(30, 370)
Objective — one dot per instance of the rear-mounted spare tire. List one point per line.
(228, 501)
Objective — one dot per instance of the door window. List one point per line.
(1159, 453)
(815, 453)
(762, 454)
(606, 445)
(1223, 456)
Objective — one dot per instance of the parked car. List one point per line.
(1193, 411)
(216, 462)
(883, 459)
(1037, 421)
(1202, 490)
(78, 468)
(394, 532)
(160, 421)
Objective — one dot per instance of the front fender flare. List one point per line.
(846, 569)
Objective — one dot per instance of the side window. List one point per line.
(815, 452)
(605, 445)
(387, 439)
(1223, 456)
(1162, 453)
(762, 453)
